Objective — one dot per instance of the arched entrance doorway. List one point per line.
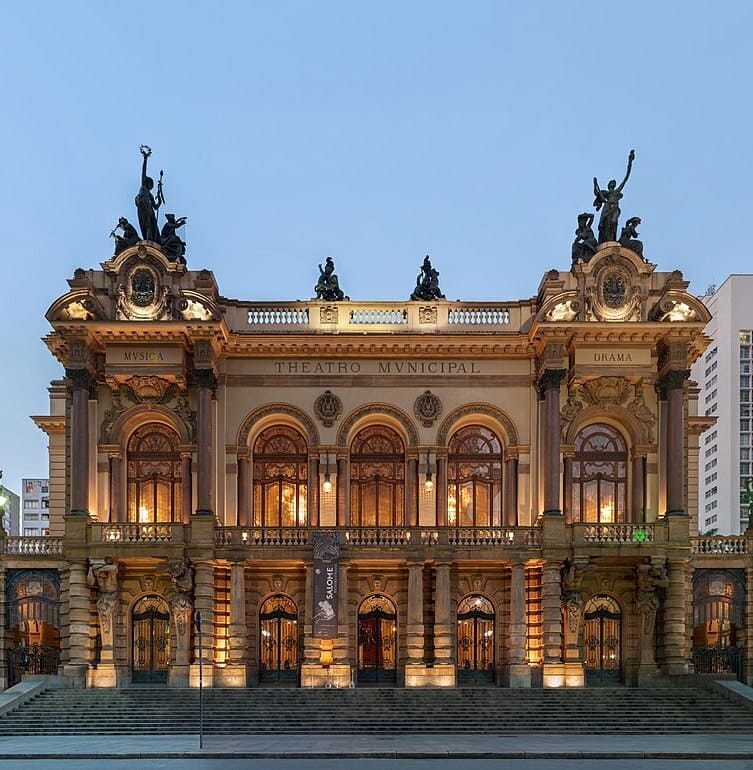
(602, 633)
(150, 628)
(278, 641)
(475, 641)
(717, 620)
(33, 600)
(377, 641)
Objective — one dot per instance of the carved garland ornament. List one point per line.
(427, 408)
(604, 392)
(327, 408)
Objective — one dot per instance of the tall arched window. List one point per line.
(377, 478)
(599, 476)
(474, 478)
(280, 474)
(154, 475)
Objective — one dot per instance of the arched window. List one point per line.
(377, 478)
(280, 473)
(474, 478)
(154, 475)
(599, 476)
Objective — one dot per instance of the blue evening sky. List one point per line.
(373, 132)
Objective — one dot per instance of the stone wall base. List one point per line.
(76, 672)
(207, 675)
(438, 675)
(178, 676)
(516, 675)
(104, 675)
(230, 676)
(563, 675)
(337, 675)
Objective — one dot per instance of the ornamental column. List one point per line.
(80, 380)
(312, 493)
(186, 489)
(341, 646)
(442, 492)
(234, 674)
(518, 671)
(443, 631)
(511, 492)
(415, 620)
(673, 382)
(205, 381)
(551, 601)
(79, 623)
(204, 603)
(411, 493)
(679, 592)
(244, 491)
(117, 513)
(549, 390)
(343, 493)
(637, 490)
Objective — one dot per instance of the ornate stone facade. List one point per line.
(451, 462)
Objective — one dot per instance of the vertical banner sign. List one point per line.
(326, 554)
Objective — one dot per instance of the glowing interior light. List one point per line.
(429, 483)
(327, 485)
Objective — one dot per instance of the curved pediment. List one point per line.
(76, 305)
(679, 306)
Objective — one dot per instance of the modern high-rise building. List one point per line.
(35, 507)
(10, 511)
(723, 374)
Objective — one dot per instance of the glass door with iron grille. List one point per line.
(278, 654)
(151, 640)
(601, 640)
(475, 641)
(377, 641)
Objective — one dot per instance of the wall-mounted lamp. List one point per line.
(429, 483)
(327, 485)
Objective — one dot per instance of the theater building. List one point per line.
(412, 493)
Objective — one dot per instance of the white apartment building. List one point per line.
(35, 507)
(724, 376)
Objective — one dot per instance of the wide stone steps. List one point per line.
(377, 711)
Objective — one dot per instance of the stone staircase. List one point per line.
(381, 711)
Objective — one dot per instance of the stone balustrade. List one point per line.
(505, 536)
(33, 546)
(615, 533)
(376, 317)
(719, 546)
(137, 533)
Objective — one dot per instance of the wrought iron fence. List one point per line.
(716, 659)
(31, 659)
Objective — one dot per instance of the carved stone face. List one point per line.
(614, 290)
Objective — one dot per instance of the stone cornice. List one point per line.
(50, 424)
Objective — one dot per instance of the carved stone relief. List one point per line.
(328, 314)
(427, 314)
(142, 296)
(327, 408)
(427, 408)
(614, 296)
(604, 392)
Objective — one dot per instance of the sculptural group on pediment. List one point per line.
(607, 204)
(147, 209)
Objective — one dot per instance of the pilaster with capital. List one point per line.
(237, 630)
(186, 487)
(551, 601)
(79, 618)
(511, 491)
(518, 672)
(443, 630)
(244, 490)
(415, 625)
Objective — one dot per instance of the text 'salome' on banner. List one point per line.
(326, 554)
